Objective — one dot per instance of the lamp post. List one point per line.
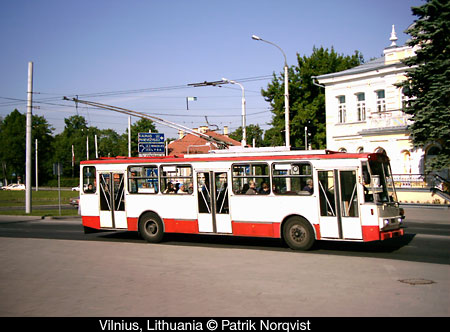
(244, 131)
(286, 90)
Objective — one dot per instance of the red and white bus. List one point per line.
(299, 196)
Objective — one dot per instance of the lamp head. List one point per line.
(255, 37)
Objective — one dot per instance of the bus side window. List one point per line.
(143, 179)
(89, 180)
(176, 179)
(292, 179)
(251, 179)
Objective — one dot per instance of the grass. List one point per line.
(16, 200)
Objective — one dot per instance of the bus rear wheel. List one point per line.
(151, 227)
(298, 233)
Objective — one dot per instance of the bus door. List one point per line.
(213, 206)
(112, 200)
(339, 215)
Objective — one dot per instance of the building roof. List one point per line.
(375, 64)
(193, 144)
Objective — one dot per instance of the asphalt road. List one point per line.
(51, 268)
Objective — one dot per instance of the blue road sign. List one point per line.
(151, 148)
(150, 137)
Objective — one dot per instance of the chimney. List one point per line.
(180, 134)
(203, 129)
(225, 130)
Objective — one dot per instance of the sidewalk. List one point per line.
(16, 218)
(427, 214)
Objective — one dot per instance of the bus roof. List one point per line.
(240, 154)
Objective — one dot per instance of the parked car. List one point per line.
(14, 186)
(74, 201)
(76, 188)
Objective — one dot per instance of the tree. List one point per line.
(427, 84)
(111, 144)
(141, 126)
(12, 149)
(74, 134)
(252, 132)
(307, 101)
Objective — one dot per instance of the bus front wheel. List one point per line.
(151, 228)
(298, 233)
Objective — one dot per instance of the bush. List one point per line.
(65, 182)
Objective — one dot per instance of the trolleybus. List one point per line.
(298, 196)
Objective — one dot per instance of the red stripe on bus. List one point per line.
(181, 226)
(91, 221)
(371, 233)
(256, 229)
(132, 224)
(317, 228)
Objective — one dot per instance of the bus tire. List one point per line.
(151, 227)
(298, 233)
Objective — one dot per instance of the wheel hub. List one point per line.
(297, 234)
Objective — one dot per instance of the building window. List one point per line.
(381, 101)
(361, 106)
(405, 98)
(341, 109)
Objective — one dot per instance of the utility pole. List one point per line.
(28, 140)
(96, 147)
(36, 150)
(129, 136)
(87, 146)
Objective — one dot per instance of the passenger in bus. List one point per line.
(264, 190)
(252, 188)
(309, 186)
(90, 189)
(190, 188)
(182, 189)
(170, 189)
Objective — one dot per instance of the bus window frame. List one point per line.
(301, 192)
(250, 177)
(163, 187)
(84, 187)
(130, 178)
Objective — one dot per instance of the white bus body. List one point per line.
(352, 197)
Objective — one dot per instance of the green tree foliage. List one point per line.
(141, 126)
(307, 101)
(74, 133)
(252, 132)
(427, 83)
(12, 149)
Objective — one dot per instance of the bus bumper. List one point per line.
(391, 234)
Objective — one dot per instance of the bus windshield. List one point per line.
(381, 182)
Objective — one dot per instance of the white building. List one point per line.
(364, 111)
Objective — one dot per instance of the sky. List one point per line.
(141, 55)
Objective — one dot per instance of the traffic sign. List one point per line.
(151, 147)
(151, 138)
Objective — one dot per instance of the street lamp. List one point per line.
(286, 90)
(244, 131)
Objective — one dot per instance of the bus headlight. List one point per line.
(385, 222)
